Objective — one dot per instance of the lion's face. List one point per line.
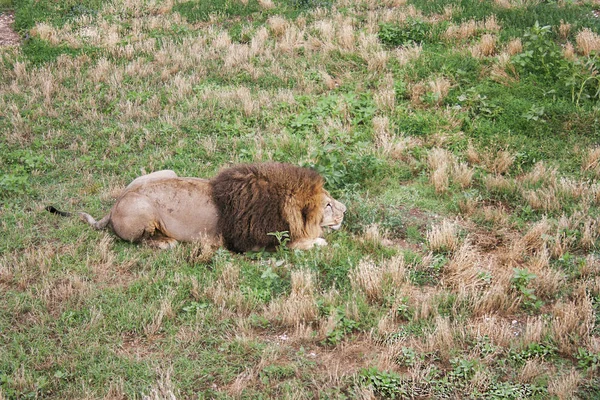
(333, 212)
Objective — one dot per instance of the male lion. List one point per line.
(242, 206)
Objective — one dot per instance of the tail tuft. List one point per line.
(57, 212)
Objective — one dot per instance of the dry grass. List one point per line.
(591, 160)
(532, 370)
(440, 86)
(409, 53)
(463, 175)
(442, 339)
(572, 323)
(565, 385)
(500, 162)
(514, 47)
(300, 307)
(368, 279)
(465, 268)
(163, 389)
(486, 46)
(444, 237)
(587, 42)
(498, 183)
(471, 28)
(440, 163)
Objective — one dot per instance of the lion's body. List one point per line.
(241, 206)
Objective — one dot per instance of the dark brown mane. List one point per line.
(254, 200)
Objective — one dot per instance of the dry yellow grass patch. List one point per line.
(468, 205)
(545, 199)
(587, 41)
(300, 307)
(504, 72)
(462, 174)
(564, 29)
(439, 87)
(591, 160)
(537, 237)
(540, 173)
(500, 162)
(278, 25)
(440, 162)
(514, 47)
(565, 385)
(444, 237)
(409, 53)
(367, 278)
(464, 269)
(473, 156)
(498, 329)
(516, 3)
(266, 4)
(442, 339)
(569, 52)
(498, 183)
(486, 46)
(384, 139)
(471, 28)
(532, 370)
(572, 322)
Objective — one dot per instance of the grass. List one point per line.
(461, 136)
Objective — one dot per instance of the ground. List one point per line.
(8, 37)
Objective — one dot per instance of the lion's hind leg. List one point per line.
(160, 242)
(134, 218)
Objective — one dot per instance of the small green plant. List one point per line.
(584, 80)
(403, 310)
(587, 360)
(543, 351)
(520, 282)
(386, 384)
(411, 31)
(408, 357)
(282, 237)
(343, 327)
(541, 56)
(463, 369)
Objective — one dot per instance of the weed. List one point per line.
(341, 327)
(412, 31)
(587, 360)
(386, 384)
(520, 281)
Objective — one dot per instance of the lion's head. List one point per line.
(256, 200)
(333, 212)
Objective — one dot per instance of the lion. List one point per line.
(241, 207)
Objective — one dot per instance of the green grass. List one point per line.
(506, 305)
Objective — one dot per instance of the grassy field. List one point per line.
(462, 135)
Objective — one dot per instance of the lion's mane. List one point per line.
(254, 200)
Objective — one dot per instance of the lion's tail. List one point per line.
(85, 217)
(98, 225)
(57, 212)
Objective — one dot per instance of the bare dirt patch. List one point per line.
(8, 37)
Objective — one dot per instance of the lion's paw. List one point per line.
(320, 242)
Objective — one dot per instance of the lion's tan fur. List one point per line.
(241, 205)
